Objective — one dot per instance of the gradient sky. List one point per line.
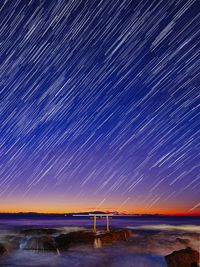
(99, 106)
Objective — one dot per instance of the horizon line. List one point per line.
(119, 213)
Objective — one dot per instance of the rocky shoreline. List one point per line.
(58, 241)
(46, 239)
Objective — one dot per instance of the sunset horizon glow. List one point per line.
(50, 210)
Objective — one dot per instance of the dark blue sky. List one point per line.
(100, 105)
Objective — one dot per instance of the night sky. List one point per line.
(99, 106)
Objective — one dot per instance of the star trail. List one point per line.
(99, 105)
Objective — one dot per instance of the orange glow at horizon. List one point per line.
(62, 205)
(79, 210)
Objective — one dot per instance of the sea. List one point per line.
(153, 237)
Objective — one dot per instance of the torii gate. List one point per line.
(101, 216)
(95, 219)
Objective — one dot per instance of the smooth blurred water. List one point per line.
(153, 238)
(115, 222)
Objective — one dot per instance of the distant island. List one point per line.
(61, 215)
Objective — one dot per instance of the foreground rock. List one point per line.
(15, 241)
(182, 241)
(4, 249)
(54, 239)
(183, 258)
(114, 235)
(40, 243)
(65, 241)
(42, 231)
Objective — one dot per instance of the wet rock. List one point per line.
(183, 241)
(42, 231)
(4, 249)
(183, 258)
(64, 241)
(15, 241)
(114, 235)
(40, 243)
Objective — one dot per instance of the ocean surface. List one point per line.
(7, 222)
(153, 238)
